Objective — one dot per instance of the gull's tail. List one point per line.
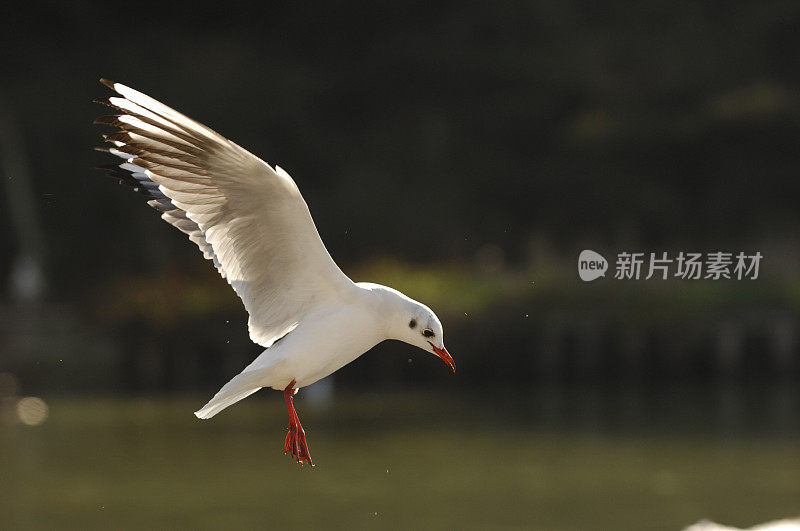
(241, 386)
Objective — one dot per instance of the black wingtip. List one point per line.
(118, 136)
(103, 101)
(107, 82)
(111, 119)
(162, 205)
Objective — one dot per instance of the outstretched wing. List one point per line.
(247, 217)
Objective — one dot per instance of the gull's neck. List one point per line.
(389, 305)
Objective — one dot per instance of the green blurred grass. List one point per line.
(383, 461)
(463, 295)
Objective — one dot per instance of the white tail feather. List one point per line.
(240, 387)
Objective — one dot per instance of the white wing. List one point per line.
(247, 217)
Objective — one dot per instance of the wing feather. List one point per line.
(247, 217)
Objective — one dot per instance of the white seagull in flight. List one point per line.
(252, 222)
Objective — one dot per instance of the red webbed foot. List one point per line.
(295, 442)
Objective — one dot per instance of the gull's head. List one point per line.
(424, 330)
(411, 322)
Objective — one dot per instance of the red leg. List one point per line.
(296, 438)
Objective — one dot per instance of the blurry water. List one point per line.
(544, 459)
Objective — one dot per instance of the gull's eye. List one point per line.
(427, 332)
(412, 323)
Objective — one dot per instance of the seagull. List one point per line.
(251, 221)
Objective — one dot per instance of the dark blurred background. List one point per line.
(464, 154)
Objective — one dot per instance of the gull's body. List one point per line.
(332, 336)
(252, 222)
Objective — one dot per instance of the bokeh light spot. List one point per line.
(32, 411)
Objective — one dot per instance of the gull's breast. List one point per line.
(323, 343)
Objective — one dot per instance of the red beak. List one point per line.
(446, 357)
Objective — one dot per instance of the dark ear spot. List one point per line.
(412, 323)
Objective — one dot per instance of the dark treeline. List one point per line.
(429, 132)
